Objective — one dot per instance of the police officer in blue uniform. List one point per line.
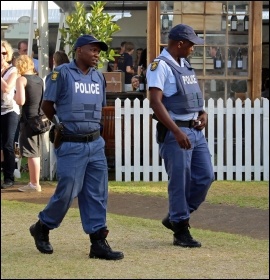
(73, 100)
(177, 102)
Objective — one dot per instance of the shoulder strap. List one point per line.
(171, 64)
(175, 69)
(101, 75)
(4, 73)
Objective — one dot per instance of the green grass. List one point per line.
(242, 194)
(148, 250)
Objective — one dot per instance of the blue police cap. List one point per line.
(88, 39)
(185, 32)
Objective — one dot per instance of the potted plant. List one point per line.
(95, 22)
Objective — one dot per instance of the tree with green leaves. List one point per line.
(94, 22)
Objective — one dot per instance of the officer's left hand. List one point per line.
(202, 121)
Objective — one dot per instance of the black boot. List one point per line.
(182, 236)
(166, 222)
(40, 232)
(100, 248)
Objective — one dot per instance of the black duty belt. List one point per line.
(81, 138)
(189, 124)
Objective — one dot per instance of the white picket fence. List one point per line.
(237, 134)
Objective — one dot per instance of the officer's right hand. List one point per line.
(182, 140)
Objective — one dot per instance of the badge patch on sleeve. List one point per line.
(154, 65)
(54, 76)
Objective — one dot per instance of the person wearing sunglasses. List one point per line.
(10, 113)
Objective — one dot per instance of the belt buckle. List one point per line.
(89, 137)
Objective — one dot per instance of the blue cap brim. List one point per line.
(103, 46)
(197, 41)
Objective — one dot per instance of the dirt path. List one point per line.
(231, 219)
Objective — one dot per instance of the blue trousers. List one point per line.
(190, 173)
(9, 124)
(82, 172)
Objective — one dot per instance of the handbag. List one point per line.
(39, 124)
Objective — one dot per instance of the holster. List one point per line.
(57, 138)
(161, 132)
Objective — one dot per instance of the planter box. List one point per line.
(115, 81)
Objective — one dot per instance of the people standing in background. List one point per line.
(10, 114)
(125, 64)
(177, 102)
(59, 57)
(29, 94)
(121, 51)
(14, 57)
(212, 51)
(13, 61)
(143, 62)
(135, 81)
(123, 47)
(137, 60)
(112, 65)
(23, 49)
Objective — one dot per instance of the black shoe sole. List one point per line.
(187, 245)
(93, 256)
(32, 232)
